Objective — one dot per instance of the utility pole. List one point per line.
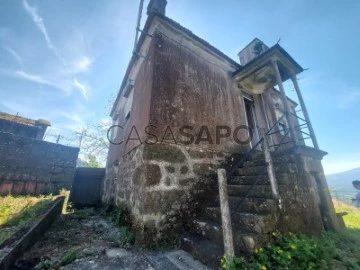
(58, 138)
(82, 134)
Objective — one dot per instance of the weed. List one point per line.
(45, 264)
(169, 243)
(17, 211)
(68, 258)
(118, 217)
(128, 236)
(84, 213)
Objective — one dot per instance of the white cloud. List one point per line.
(77, 120)
(39, 22)
(60, 82)
(81, 87)
(14, 54)
(19, 74)
(81, 65)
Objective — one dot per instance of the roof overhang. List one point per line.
(258, 75)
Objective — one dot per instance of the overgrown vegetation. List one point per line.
(340, 250)
(118, 217)
(68, 258)
(17, 211)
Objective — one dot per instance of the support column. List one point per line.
(304, 110)
(284, 100)
(225, 213)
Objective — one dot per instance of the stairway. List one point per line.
(252, 222)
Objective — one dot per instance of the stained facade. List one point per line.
(184, 110)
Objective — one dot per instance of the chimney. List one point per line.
(254, 49)
(157, 6)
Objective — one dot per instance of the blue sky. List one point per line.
(64, 60)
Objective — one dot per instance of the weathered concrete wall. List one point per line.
(142, 74)
(160, 184)
(192, 89)
(32, 166)
(305, 198)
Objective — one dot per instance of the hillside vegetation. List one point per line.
(337, 251)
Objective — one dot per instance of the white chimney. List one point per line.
(251, 51)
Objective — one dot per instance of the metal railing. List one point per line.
(269, 151)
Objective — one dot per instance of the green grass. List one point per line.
(332, 250)
(17, 211)
(352, 219)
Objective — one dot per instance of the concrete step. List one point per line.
(243, 242)
(256, 162)
(173, 260)
(261, 170)
(257, 191)
(250, 205)
(202, 249)
(248, 180)
(281, 178)
(244, 222)
(279, 157)
(257, 154)
(262, 162)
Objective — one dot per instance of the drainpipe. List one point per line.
(138, 25)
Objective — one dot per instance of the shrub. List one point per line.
(284, 252)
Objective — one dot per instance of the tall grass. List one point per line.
(17, 211)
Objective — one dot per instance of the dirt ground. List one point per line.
(86, 239)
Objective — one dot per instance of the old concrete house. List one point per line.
(185, 109)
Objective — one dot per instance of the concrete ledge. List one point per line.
(309, 151)
(9, 254)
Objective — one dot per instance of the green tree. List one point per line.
(92, 162)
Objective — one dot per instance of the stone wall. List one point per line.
(29, 166)
(161, 186)
(306, 204)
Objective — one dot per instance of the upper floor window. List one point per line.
(128, 105)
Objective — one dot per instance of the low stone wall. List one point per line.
(29, 166)
(161, 185)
